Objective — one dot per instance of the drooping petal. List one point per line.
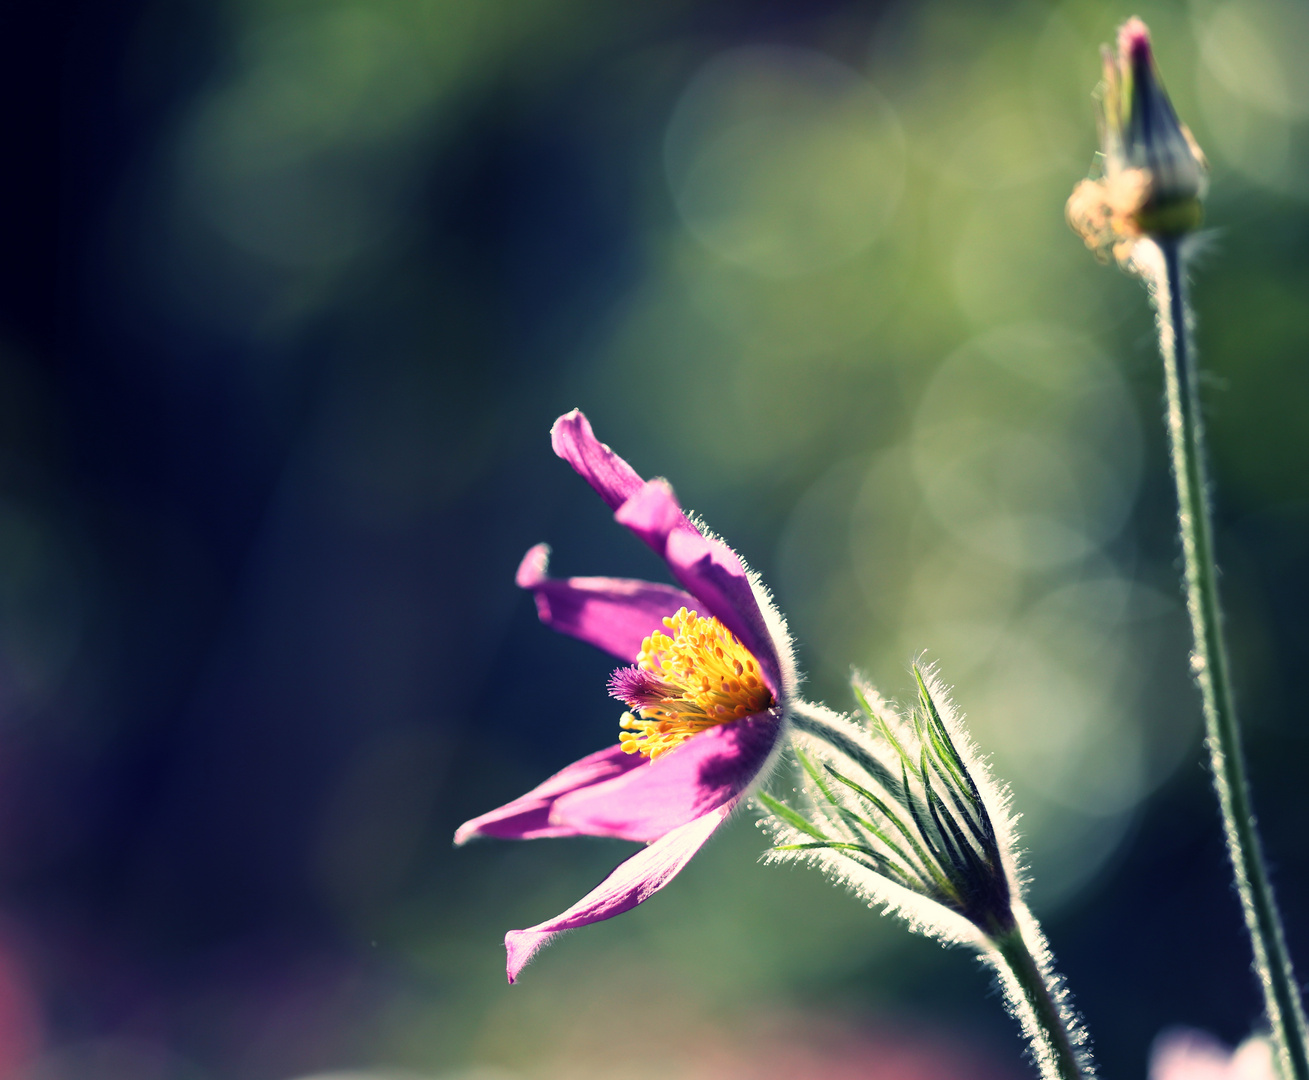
(528, 817)
(614, 614)
(708, 569)
(632, 882)
(573, 440)
(707, 771)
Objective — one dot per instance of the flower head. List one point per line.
(709, 685)
(1154, 175)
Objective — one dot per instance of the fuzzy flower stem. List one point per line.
(1035, 997)
(1209, 662)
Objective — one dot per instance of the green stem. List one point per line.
(1035, 996)
(1209, 662)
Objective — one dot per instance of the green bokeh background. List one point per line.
(280, 368)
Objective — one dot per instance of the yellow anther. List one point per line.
(701, 666)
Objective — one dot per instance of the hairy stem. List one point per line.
(1036, 996)
(1209, 663)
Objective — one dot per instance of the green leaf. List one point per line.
(839, 741)
(952, 848)
(959, 769)
(967, 862)
(926, 869)
(882, 726)
(852, 821)
(781, 810)
(879, 865)
(982, 833)
(940, 737)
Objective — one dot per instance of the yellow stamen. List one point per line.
(706, 676)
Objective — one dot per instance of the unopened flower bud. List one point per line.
(901, 800)
(1154, 175)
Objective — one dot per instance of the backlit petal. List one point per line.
(528, 817)
(632, 882)
(614, 614)
(573, 440)
(704, 773)
(708, 569)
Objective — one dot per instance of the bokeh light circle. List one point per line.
(1027, 446)
(1256, 49)
(1253, 90)
(783, 161)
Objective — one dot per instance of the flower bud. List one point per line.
(900, 807)
(1154, 174)
(1145, 129)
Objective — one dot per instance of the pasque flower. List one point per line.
(709, 681)
(1154, 175)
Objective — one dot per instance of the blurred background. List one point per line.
(291, 292)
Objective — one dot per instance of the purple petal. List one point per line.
(573, 440)
(632, 882)
(615, 614)
(707, 771)
(528, 817)
(653, 514)
(708, 569)
(533, 569)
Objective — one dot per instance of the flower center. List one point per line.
(682, 685)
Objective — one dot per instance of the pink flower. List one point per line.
(710, 680)
(1186, 1054)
